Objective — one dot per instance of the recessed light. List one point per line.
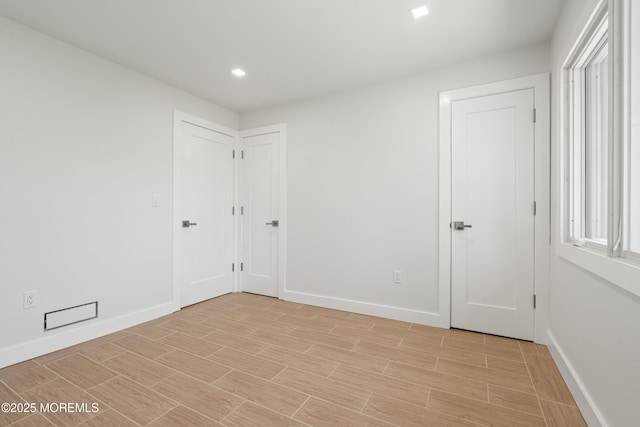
(419, 12)
(238, 72)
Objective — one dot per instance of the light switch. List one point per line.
(155, 200)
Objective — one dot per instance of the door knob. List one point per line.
(187, 224)
(273, 223)
(460, 225)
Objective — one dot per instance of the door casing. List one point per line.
(540, 85)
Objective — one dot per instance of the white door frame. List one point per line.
(282, 202)
(179, 117)
(542, 158)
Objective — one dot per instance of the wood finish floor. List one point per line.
(248, 360)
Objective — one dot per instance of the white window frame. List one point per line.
(624, 18)
(589, 46)
(611, 261)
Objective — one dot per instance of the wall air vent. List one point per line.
(70, 316)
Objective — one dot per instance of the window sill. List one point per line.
(622, 272)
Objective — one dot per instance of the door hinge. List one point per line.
(233, 267)
(535, 207)
(241, 266)
(535, 115)
(534, 301)
(233, 210)
(242, 154)
(233, 154)
(241, 210)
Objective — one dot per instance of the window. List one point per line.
(588, 76)
(602, 142)
(596, 100)
(634, 137)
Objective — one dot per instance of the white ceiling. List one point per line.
(291, 49)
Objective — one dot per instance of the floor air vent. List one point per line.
(70, 316)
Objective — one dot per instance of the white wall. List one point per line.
(83, 145)
(363, 188)
(595, 324)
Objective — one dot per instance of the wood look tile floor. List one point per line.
(248, 360)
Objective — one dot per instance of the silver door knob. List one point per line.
(460, 225)
(273, 223)
(187, 224)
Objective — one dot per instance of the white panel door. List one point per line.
(492, 185)
(205, 223)
(260, 216)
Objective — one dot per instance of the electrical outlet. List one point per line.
(30, 299)
(397, 276)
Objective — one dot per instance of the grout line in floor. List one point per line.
(366, 402)
(300, 407)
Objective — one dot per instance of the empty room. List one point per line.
(408, 213)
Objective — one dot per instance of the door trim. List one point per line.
(179, 117)
(282, 201)
(542, 158)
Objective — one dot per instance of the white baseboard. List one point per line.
(360, 307)
(78, 334)
(585, 402)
